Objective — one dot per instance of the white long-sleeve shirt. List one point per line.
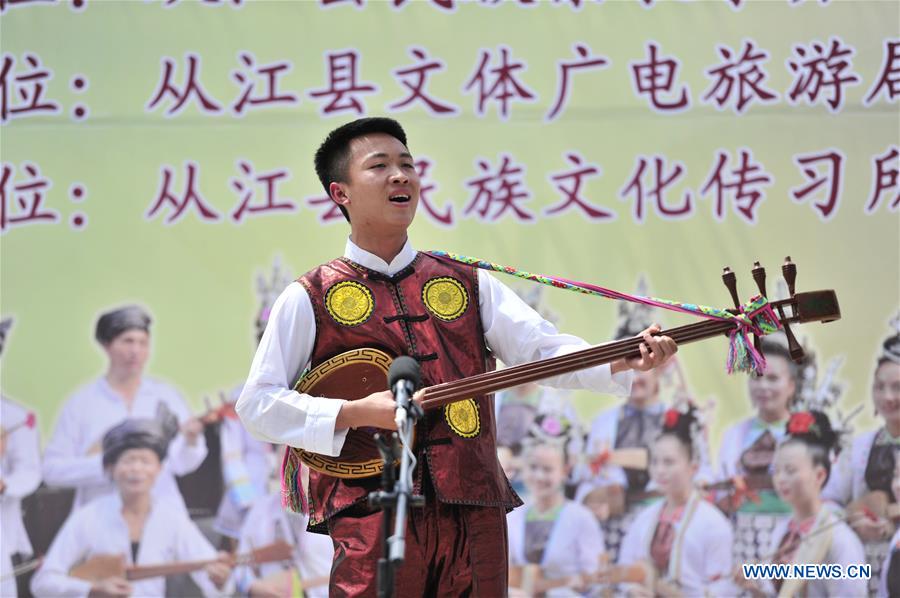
(273, 412)
(88, 414)
(99, 529)
(20, 470)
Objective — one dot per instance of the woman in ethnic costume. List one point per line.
(683, 542)
(813, 533)
(555, 544)
(862, 476)
(748, 448)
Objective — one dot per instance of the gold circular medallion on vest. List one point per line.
(463, 418)
(349, 303)
(445, 297)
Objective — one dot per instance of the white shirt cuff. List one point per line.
(600, 379)
(319, 433)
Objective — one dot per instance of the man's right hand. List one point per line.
(111, 587)
(376, 410)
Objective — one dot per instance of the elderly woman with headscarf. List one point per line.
(72, 457)
(131, 522)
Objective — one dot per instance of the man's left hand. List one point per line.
(191, 429)
(655, 350)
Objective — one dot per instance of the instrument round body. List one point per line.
(100, 567)
(350, 376)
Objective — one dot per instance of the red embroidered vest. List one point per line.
(429, 311)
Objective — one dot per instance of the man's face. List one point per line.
(136, 470)
(382, 191)
(128, 352)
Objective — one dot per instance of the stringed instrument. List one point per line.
(355, 374)
(104, 566)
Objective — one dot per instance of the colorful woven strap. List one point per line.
(755, 316)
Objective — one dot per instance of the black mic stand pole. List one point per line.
(386, 500)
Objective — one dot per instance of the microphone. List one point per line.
(404, 378)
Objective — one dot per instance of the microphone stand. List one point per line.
(395, 496)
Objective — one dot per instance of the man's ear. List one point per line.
(339, 194)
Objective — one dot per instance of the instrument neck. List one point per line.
(148, 571)
(488, 382)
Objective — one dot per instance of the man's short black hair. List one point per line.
(333, 155)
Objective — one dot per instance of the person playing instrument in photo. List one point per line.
(748, 447)
(558, 539)
(131, 527)
(813, 533)
(682, 541)
(73, 459)
(20, 475)
(453, 319)
(861, 480)
(268, 522)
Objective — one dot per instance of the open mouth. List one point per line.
(399, 198)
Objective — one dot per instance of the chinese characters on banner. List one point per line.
(734, 182)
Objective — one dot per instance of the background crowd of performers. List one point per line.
(145, 483)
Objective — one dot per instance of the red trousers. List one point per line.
(451, 550)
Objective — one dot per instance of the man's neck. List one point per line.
(135, 505)
(124, 384)
(384, 245)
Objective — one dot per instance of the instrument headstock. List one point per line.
(811, 306)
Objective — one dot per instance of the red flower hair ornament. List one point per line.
(801, 422)
(671, 418)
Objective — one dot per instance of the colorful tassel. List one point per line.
(293, 496)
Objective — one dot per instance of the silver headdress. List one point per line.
(268, 291)
(555, 428)
(633, 318)
(825, 396)
(699, 425)
(890, 349)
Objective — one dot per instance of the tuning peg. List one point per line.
(730, 281)
(759, 276)
(794, 347)
(789, 271)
